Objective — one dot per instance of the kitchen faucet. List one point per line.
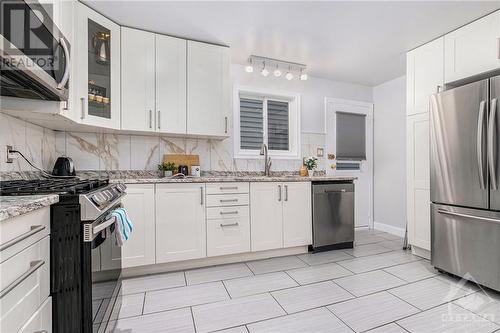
(267, 160)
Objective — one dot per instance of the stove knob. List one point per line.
(98, 199)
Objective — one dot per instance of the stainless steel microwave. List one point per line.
(34, 54)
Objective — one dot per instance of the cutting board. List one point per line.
(182, 159)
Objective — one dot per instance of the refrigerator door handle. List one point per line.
(491, 144)
(479, 144)
(467, 216)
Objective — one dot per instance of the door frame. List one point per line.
(332, 105)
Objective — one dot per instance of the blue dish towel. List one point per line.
(123, 225)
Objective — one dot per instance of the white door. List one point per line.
(266, 216)
(207, 89)
(139, 202)
(418, 180)
(97, 70)
(424, 75)
(170, 84)
(180, 222)
(363, 196)
(472, 49)
(297, 214)
(138, 80)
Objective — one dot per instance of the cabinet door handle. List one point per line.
(201, 196)
(233, 212)
(235, 224)
(279, 192)
(82, 116)
(222, 188)
(228, 200)
(150, 119)
(33, 230)
(225, 125)
(286, 192)
(159, 119)
(34, 265)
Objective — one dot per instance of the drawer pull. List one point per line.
(230, 224)
(228, 200)
(222, 188)
(34, 265)
(229, 213)
(42, 331)
(33, 230)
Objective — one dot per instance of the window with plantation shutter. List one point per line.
(266, 117)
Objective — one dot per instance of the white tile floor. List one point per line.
(375, 287)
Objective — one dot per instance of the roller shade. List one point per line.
(351, 136)
(277, 125)
(251, 123)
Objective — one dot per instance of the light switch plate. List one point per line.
(320, 152)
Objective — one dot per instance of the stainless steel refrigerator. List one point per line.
(465, 209)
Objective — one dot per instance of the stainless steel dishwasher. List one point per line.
(333, 215)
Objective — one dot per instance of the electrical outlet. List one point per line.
(9, 156)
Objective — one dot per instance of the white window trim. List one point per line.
(294, 122)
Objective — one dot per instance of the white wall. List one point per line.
(390, 153)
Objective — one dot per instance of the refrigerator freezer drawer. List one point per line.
(466, 242)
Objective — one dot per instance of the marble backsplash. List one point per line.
(116, 152)
(35, 142)
(109, 152)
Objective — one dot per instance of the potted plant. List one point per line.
(166, 169)
(311, 163)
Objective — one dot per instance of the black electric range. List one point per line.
(85, 263)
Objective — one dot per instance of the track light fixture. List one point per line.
(249, 67)
(295, 70)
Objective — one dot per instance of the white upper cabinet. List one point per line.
(266, 212)
(424, 75)
(297, 216)
(207, 89)
(140, 249)
(180, 222)
(138, 80)
(96, 52)
(170, 84)
(473, 49)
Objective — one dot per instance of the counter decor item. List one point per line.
(195, 171)
(303, 171)
(311, 163)
(167, 169)
(184, 169)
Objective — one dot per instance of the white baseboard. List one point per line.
(389, 229)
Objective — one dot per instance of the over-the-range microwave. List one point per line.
(34, 54)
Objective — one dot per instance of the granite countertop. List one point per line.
(221, 179)
(11, 206)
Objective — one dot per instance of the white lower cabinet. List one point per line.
(26, 284)
(140, 249)
(41, 320)
(228, 236)
(266, 211)
(180, 222)
(297, 214)
(281, 215)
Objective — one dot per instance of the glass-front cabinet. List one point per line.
(98, 69)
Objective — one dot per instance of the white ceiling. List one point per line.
(358, 42)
